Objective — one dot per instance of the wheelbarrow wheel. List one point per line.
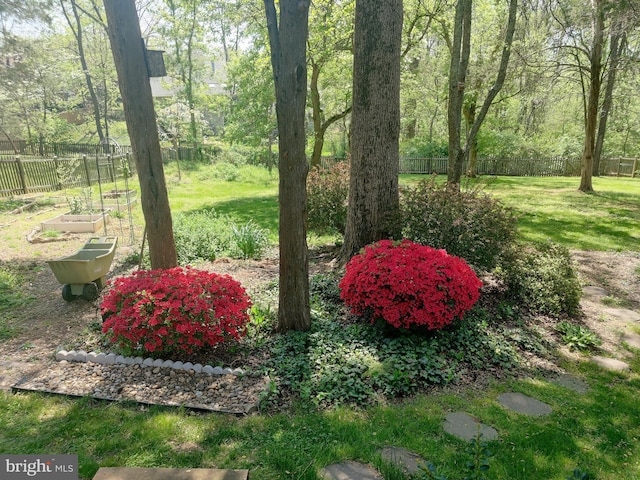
(90, 292)
(66, 293)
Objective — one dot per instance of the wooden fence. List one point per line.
(20, 175)
(25, 174)
(531, 167)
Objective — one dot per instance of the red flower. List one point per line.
(409, 284)
(174, 309)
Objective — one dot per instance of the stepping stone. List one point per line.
(466, 427)
(632, 339)
(122, 473)
(595, 292)
(623, 314)
(611, 364)
(407, 460)
(521, 403)
(348, 470)
(572, 383)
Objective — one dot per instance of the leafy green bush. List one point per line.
(226, 171)
(248, 240)
(201, 236)
(542, 278)
(467, 223)
(327, 192)
(577, 337)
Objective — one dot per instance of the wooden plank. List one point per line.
(123, 473)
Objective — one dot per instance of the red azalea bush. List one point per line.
(174, 310)
(409, 284)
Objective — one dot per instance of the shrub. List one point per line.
(408, 284)
(174, 310)
(542, 278)
(467, 223)
(327, 192)
(201, 236)
(248, 240)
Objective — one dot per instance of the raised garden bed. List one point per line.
(89, 223)
(119, 200)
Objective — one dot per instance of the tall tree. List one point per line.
(588, 43)
(183, 29)
(129, 56)
(375, 125)
(330, 47)
(458, 72)
(287, 39)
(75, 24)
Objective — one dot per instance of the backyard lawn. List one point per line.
(595, 433)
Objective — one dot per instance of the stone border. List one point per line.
(113, 359)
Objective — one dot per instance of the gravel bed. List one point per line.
(237, 394)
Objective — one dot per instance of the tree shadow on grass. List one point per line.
(263, 211)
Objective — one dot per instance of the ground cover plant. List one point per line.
(345, 389)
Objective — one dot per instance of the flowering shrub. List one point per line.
(178, 309)
(409, 284)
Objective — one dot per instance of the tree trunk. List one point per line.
(375, 125)
(288, 58)
(469, 111)
(614, 56)
(129, 56)
(460, 51)
(591, 117)
(320, 125)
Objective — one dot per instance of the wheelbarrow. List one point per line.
(83, 274)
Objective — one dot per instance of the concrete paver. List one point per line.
(465, 427)
(631, 339)
(350, 470)
(610, 364)
(409, 461)
(521, 403)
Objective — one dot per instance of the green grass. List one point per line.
(552, 208)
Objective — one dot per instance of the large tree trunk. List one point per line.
(591, 116)
(375, 125)
(615, 48)
(288, 57)
(129, 56)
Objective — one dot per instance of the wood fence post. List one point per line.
(86, 170)
(633, 170)
(111, 166)
(23, 180)
(56, 165)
